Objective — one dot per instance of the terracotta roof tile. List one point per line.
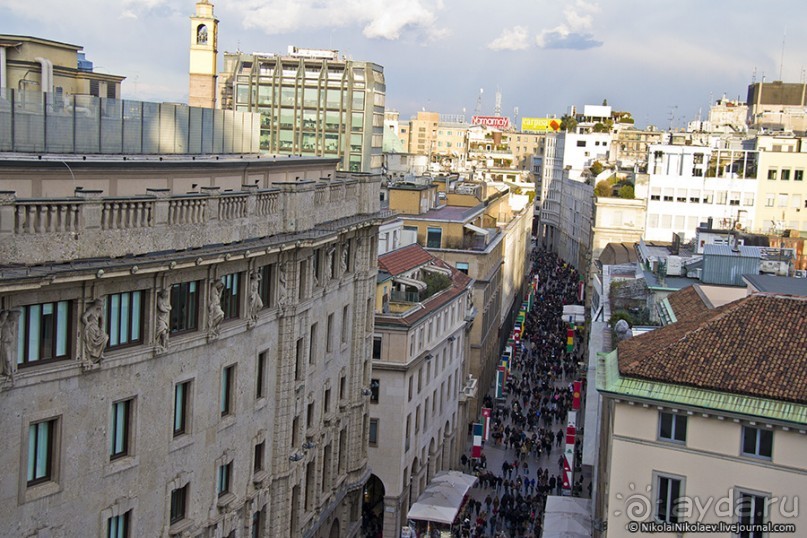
(402, 260)
(687, 303)
(755, 346)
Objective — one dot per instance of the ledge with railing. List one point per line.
(90, 225)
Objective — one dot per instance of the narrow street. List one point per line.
(522, 460)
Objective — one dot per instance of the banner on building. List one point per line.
(540, 125)
(500, 379)
(476, 449)
(568, 453)
(577, 388)
(570, 339)
(486, 423)
(497, 122)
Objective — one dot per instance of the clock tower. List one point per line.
(204, 51)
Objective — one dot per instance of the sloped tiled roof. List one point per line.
(756, 346)
(459, 282)
(404, 259)
(687, 303)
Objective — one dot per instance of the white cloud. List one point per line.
(377, 18)
(515, 38)
(574, 33)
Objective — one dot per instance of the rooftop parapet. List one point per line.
(89, 225)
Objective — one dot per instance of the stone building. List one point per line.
(185, 346)
(418, 409)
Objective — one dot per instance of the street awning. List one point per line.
(574, 314)
(476, 229)
(567, 517)
(442, 499)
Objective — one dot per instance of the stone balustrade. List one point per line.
(47, 216)
(128, 213)
(187, 210)
(91, 226)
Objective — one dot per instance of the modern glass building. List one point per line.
(312, 102)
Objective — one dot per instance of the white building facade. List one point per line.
(688, 184)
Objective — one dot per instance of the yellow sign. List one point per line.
(540, 125)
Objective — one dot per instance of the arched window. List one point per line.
(201, 35)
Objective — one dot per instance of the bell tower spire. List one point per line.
(204, 51)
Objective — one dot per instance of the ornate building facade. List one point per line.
(185, 346)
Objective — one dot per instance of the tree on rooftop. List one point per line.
(626, 191)
(567, 123)
(435, 282)
(603, 189)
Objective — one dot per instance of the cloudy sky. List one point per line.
(662, 60)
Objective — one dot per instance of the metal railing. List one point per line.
(41, 122)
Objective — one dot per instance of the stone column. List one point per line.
(160, 206)
(90, 212)
(7, 211)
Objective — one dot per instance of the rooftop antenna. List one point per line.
(515, 115)
(478, 109)
(754, 76)
(497, 109)
(673, 109)
(782, 60)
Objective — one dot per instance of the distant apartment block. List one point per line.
(33, 65)
(688, 184)
(778, 106)
(312, 102)
(483, 230)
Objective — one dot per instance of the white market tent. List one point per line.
(573, 313)
(567, 517)
(441, 500)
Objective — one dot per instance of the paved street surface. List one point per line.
(525, 425)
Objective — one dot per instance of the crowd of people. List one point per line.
(530, 423)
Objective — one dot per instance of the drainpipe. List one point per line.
(3, 73)
(45, 80)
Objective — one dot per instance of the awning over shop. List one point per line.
(567, 517)
(442, 499)
(476, 229)
(411, 282)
